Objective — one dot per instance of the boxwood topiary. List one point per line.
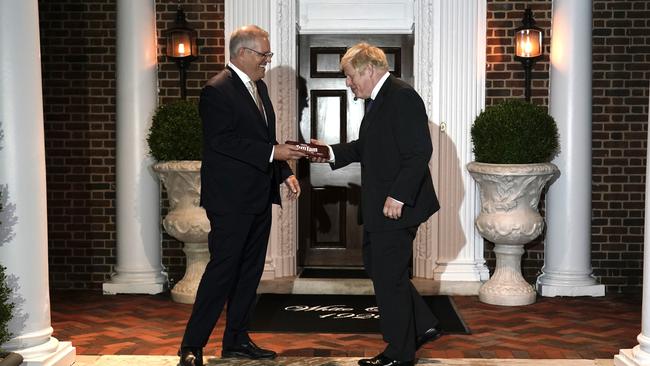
(175, 132)
(514, 132)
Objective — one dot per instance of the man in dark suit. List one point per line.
(397, 194)
(242, 168)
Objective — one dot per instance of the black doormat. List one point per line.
(338, 314)
(315, 272)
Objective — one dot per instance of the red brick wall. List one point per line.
(78, 65)
(505, 75)
(78, 48)
(206, 16)
(621, 76)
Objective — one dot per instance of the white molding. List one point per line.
(453, 89)
(244, 12)
(356, 16)
(425, 78)
(278, 17)
(282, 89)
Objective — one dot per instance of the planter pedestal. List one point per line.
(11, 359)
(509, 218)
(187, 222)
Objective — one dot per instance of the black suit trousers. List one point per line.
(403, 314)
(237, 244)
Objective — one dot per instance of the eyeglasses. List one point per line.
(265, 55)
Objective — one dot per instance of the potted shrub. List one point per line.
(6, 311)
(513, 143)
(175, 141)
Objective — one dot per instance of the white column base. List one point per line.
(63, 354)
(452, 288)
(454, 272)
(553, 290)
(626, 357)
(269, 268)
(125, 281)
(121, 287)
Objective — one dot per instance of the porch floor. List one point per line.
(552, 328)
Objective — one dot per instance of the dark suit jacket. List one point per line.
(236, 175)
(394, 148)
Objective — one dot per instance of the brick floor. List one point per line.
(552, 328)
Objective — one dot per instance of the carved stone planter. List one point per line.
(509, 218)
(186, 221)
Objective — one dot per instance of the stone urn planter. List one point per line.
(186, 221)
(509, 218)
(11, 359)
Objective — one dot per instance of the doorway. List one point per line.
(329, 233)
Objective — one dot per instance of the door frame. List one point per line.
(451, 83)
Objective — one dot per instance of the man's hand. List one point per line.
(287, 152)
(293, 187)
(392, 208)
(314, 159)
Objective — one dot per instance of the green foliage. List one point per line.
(514, 132)
(6, 306)
(175, 132)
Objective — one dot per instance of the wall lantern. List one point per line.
(181, 46)
(528, 46)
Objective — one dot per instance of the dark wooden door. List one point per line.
(329, 231)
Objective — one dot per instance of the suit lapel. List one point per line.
(376, 105)
(246, 95)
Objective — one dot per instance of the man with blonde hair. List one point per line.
(397, 195)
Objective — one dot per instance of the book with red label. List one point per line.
(313, 150)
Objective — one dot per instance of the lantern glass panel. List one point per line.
(528, 43)
(179, 44)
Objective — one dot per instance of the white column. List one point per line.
(567, 248)
(23, 234)
(640, 354)
(448, 247)
(278, 17)
(139, 255)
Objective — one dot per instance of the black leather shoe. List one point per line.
(247, 350)
(190, 356)
(381, 360)
(428, 336)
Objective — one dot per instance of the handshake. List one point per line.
(315, 151)
(312, 150)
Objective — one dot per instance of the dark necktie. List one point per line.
(369, 102)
